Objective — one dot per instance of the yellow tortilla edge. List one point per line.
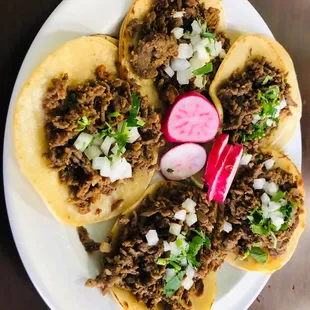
(128, 301)
(29, 136)
(138, 10)
(254, 45)
(275, 263)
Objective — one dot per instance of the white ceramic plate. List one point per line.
(52, 254)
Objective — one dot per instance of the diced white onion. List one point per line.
(178, 32)
(283, 202)
(103, 164)
(283, 104)
(269, 163)
(217, 49)
(245, 159)
(105, 247)
(195, 40)
(180, 215)
(97, 142)
(277, 219)
(169, 274)
(179, 64)
(184, 262)
(185, 51)
(167, 247)
(191, 219)
(269, 122)
(120, 170)
(265, 210)
(175, 229)
(169, 71)
(178, 14)
(106, 145)
(184, 76)
(256, 118)
(152, 237)
(189, 205)
(175, 250)
(273, 206)
(190, 271)
(187, 283)
(196, 63)
(134, 134)
(82, 141)
(265, 199)
(222, 53)
(199, 81)
(259, 183)
(227, 227)
(270, 188)
(205, 42)
(202, 54)
(196, 28)
(92, 152)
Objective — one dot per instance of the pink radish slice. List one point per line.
(226, 174)
(183, 161)
(214, 156)
(192, 118)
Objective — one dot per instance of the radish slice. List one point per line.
(183, 161)
(191, 119)
(214, 156)
(225, 175)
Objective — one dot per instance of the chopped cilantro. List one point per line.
(207, 68)
(161, 262)
(267, 79)
(132, 120)
(245, 255)
(288, 211)
(275, 241)
(260, 255)
(107, 131)
(208, 35)
(278, 196)
(179, 243)
(174, 284)
(260, 230)
(169, 170)
(121, 138)
(83, 124)
(114, 114)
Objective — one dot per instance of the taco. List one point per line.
(264, 213)
(257, 95)
(86, 140)
(173, 46)
(164, 251)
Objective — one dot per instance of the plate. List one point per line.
(51, 253)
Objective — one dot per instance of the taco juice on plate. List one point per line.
(256, 93)
(264, 212)
(164, 251)
(173, 46)
(94, 138)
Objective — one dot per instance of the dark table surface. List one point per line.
(289, 20)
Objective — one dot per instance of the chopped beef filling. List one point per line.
(241, 101)
(157, 45)
(132, 265)
(66, 105)
(89, 244)
(242, 199)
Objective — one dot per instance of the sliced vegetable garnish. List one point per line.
(174, 284)
(260, 255)
(214, 156)
(183, 161)
(83, 124)
(114, 114)
(132, 120)
(207, 68)
(191, 119)
(267, 79)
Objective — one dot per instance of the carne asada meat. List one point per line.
(144, 269)
(263, 208)
(253, 101)
(105, 107)
(158, 45)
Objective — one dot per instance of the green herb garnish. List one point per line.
(174, 284)
(260, 255)
(275, 241)
(169, 170)
(204, 70)
(161, 262)
(132, 120)
(208, 35)
(121, 138)
(278, 196)
(83, 124)
(245, 255)
(267, 79)
(114, 114)
(107, 131)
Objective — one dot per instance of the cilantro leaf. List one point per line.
(162, 262)
(132, 120)
(246, 254)
(278, 196)
(169, 170)
(174, 284)
(208, 35)
(207, 68)
(107, 131)
(114, 114)
(83, 124)
(259, 255)
(260, 230)
(267, 79)
(121, 138)
(275, 240)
